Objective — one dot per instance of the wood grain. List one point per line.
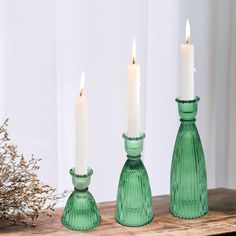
(220, 219)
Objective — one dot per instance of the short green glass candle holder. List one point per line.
(188, 186)
(81, 212)
(134, 198)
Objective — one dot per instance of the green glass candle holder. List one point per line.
(134, 198)
(81, 212)
(188, 186)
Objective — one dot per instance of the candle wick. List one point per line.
(187, 40)
(81, 93)
(133, 60)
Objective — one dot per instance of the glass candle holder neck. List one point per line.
(133, 146)
(187, 109)
(81, 182)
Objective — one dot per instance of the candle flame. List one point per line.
(82, 83)
(134, 51)
(187, 31)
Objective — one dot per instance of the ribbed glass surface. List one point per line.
(134, 199)
(188, 187)
(81, 212)
(134, 202)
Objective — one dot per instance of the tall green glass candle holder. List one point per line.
(134, 198)
(188, 186)
(81, 212)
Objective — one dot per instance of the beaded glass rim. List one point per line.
(125, 136)
(90, 172)
(196, 99)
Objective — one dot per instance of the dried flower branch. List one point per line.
(22, 196)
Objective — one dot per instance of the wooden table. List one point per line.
(220, 219)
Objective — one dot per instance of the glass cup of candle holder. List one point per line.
(188, 185)
(134, 198)
(81, 212)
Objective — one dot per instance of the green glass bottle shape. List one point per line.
(134, 198)
(81, 212)
(188, 186)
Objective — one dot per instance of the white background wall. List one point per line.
(44, 46)
(29, 76)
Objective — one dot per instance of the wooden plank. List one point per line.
(220, 219)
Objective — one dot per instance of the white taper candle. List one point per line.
(134, 122)
(187, 67)
(81, 134)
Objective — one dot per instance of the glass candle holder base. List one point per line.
(134, 198)
(81, 212)
(188, 186)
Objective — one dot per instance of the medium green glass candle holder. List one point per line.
(81, 212)
(188, 185)
(134, 198)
